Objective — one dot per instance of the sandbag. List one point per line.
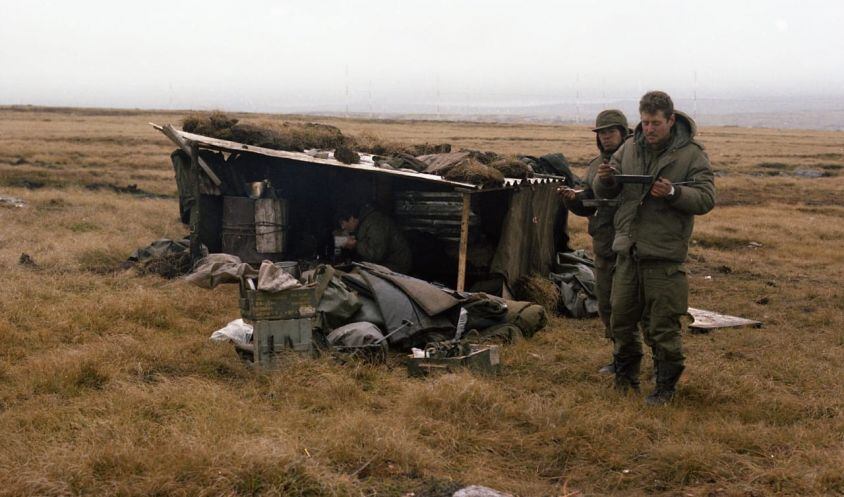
(527, 316)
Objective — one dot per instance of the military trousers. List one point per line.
(603, 289)
(655, 294)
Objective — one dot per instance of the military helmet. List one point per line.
(609, 118)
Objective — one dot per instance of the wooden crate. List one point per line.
(294, 303)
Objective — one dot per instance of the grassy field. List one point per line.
(110, 386)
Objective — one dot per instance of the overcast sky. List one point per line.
(264, 55)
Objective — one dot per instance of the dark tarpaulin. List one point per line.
(396, 306)
(433, 300)
(531, 233)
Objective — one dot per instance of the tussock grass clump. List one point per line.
(291, 136)
(373, 144)
(346, 155)
(512, 167)
(101, 260)
(537, 289)
(472, 171)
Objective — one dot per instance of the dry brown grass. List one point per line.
(109, 385)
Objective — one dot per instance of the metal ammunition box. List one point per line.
(294, 303)
(481, 358)
(271, 337)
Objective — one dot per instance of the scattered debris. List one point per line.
(754, 245)
(810, 173)
(763, 301)
(447, 357)
(26, 260)
(479, 491)
(704, 321)
(18, 161)
(236, 331)
(11, 201)
(166, 258)
(403, 161)
(724, 269)
(574, 275)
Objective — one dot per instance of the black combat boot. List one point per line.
(666, 384)
(627, 373)
(656, 369)
(608, 368)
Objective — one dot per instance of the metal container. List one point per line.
(484, 359)
(271, 225)
(290, 267)
(239, 235)
(272, 337)
(293, 303)
(256, 189)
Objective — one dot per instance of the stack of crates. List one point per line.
(281, 321)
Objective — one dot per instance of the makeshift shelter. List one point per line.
(483, 238)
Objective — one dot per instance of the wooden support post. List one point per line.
(195, 209)
(464, 242)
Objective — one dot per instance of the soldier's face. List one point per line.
(610, 138)
(656, 126)
(349, 225)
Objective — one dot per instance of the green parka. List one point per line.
(600, 218)
(660, 228)
(381, 241)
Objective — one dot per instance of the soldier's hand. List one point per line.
(351, 243)
(606, 174)
(569, 194)
(661, 188)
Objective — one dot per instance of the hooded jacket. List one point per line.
(660, 228)
(381, 241)
(600, 225)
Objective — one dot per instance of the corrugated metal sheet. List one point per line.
(437, 213)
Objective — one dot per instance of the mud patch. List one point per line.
(776, 166)
(28, 183)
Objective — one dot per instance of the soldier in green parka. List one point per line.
(610, 131)
(375, 237)
(653, 225)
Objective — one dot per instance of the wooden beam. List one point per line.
(464, 242)
(171, 133)
(195, 244)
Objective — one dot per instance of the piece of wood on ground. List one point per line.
(704, 321)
